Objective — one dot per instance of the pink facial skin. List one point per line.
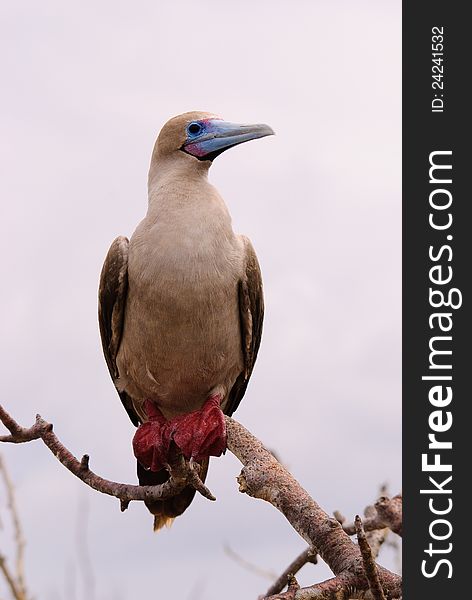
(195, 150)
(198, 435)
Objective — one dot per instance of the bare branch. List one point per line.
(10, 579)
(292, 589)
(16, 582)
(388, 514)
(337, 588)
(248, 565)
(370, 567)
(375, 537)
(18, 533)
(182, 472)
(339, 517)
(308, 555)
(18, 434)
(264, 477)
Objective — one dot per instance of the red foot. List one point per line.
(151, 441)
(199, 434)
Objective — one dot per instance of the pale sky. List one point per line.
(86, 86)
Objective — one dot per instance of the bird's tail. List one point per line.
(165, 511)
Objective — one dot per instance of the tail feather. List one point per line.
(161, 521)
(165, 511)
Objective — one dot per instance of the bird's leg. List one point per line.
(201, 433)
(198, 434)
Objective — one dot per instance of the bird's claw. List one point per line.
(196, 482)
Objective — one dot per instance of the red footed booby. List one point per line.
(181, 307)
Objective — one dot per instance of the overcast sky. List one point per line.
(86, 86)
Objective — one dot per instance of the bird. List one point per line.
(181, 307)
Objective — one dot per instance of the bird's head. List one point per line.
(202, 136)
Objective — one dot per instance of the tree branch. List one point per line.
(308, 555)
(375, 538)
(11, 582)
(263, 477)
(370, 568)
(182, 472)
(249, 565)
(17, 584)
(292, 589)
(388, 513)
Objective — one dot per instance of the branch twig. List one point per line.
(375, 537)
(12, 584)
(247, 564)
(16, 582)
(369, 563)
(308, 555)
(388, 514)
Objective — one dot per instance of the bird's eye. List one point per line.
(194, 128)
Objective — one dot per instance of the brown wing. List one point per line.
(112, 296)
(251, 310)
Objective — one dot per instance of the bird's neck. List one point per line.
(173, 169)
(179, 192)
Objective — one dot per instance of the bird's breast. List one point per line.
(181, 334)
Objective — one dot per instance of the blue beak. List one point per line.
(217, 135)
